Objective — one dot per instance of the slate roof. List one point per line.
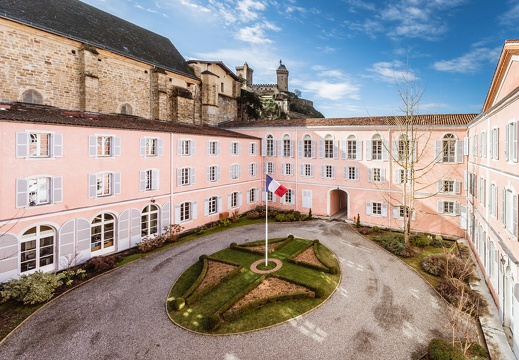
(40, 114)
(82, 22)
(426, 120)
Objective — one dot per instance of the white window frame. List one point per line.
(234, 171)
(253, 148)
(376, 209)
(307, 170)
(39, 251)
(288, 198)
(53, 190)
(376, 175)
(149, 180)
(287, 169)
(186, 147)
(253, 169)
(150, 220)
(511, 142)
(252, 195)
(151, 147)
(25, 149)
(494, 143)
(213, 173)
(235, 148)
(105, 244)
(328, 172)
(213, 147)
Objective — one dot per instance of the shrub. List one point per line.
(434, 265)
(357, 223)
(213, 322)
(452, 290)
(281, 217)
(297, 214)
(31, 289)
(290, 217)
(225, 222)
(69, 275)
(291, 237)
(235, 215)
(151, 242)
(303, 217)
(179, 303)
(253, 215)
(420, 240)
(334, 270)
(365, 231)
(310, 214)
(172, 232)
(440, 349)
(375, 229)
(437, 241)
(99, 264)
(448, 265)
(395, 244)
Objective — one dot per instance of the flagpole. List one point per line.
(266, 223)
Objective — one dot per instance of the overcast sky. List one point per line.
(345, 55)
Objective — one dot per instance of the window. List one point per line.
(483, 147)
(186, 147)
(287, 146)
(328, 172)
(376, 175)
(351, 173)
(287, 169)
(401, 211)
(269, 167)
(185, 211)
(234, 199)
(32, 96)
(482, 190)
(472, 183)
(376, 148)
(222, 87)
(213, 148)
(509, 210)
(308, 147)
(253, 169)
(37, 249)
(307, 170)
(271, 197)
(492, 200)
(185, 176)
(494, 143)
(102, 232)
(511, 142)
(149, 180)
(353, 148)
(235, 148)
(402, 176)
(449, 148)
(404, 149)
(212, 205)
(252, 196)
(376, 209)
(446, 186)
(126, 109)
(270, 146)
(38, 145)
(448, 207)
(39, 190)
(149, 220)
(104, 184)
(475, 145)
(213, 173)
(288, 198)
(151, 147)
(328, 150)
(104, 146)
(253, 148)
(235, 171)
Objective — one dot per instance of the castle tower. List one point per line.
(282, 74)
(245, 72)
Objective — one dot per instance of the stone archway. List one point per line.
(338, 201)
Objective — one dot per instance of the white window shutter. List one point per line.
(239, 170)
(280, 147)
(333, 171)
(346, 173)
(160, 147)
(250, 148)
(166, 217)
(368, 208)
(57, 145)
(368, 150)
(300, 148)
(396, 212)
(382, 175)
(507, 141)
(177, 214)
(496, 144)
(302, 169)
(192, 176)
(503, 210)
(274, 148)
(370, 175)
(323, 171)
(457, 209)
(92, 186)
(194, 210)
(291, 148)
(192, 149)
(263, 195)
(219, 204)
(263, 147)
(514, 142)
(142, 180)
(240, 198)
(313, 144)
(321, 149)
(208, 174)
(142, 147)
(384, 210)
(457, 187)
(384, 150)
(155, 179)
(463, 217)
(92, 146)
(514, 225)
(459, 151)
(22, 193)
(440, 186)
(206, 207)
(116, 145)
(438, 150)
(491, 144)
(229, 201)
(465, 146)
(218, 173)
(22, 145)
(336, 149)
(440, 207)
(117, 183)
(344, 149)
(358, 155)
(179, 148)
(179, 176)
(396, 176)
(357, 173)
(394, 150)
(57, 189)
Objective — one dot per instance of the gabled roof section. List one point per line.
(418, 120)
(78, 21)
(510, 49)
(219, 63)
(40, 114)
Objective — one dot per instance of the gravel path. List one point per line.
(381, 310)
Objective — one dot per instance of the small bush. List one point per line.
(395, 244)
(291, 237)
(420, 240)
(357, 223)
(253, 215)
(303, 217)
(447, 265)
(202, 257)
(375, 229)
(281, 218)
(99, 264)
(213, 322)
(152, 242)
(290, 217)
(225, 222)
(310, 214)
(334, 270)
(31, 289)
(434, 265)
(437, 241)
(235, 215)
(365, 231)
(179, 303)
(440, 349)
(451, 290)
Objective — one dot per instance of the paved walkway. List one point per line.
(381, 310)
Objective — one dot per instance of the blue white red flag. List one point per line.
(275, 187)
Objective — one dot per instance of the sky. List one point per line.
(350, 57)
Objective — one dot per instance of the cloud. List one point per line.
(509, 18)
(194, 6)
(247, 9)
(392, 72)
(256, 34)
(469, 63)
(331, 90)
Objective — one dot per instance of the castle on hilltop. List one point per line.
(287, 105)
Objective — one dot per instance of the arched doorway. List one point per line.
(338, 203)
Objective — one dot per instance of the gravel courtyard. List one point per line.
(381, 310)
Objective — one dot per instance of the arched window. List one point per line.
(307, 147)
(376, 147)
(328, 146)
(32, 96)
(185, 211)
(403, 148)
(37, 248)
(270, 145)
(149, 220)
(126, 109)
(352, 147)
(449, 148)
(287, 146)
(102, 232)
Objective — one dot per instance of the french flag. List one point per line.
(275, 187)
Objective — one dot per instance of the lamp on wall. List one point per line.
(503, 259)
(153, 201)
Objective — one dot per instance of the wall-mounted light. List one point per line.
(153, 201)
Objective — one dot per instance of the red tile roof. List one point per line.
(430, 119)
(36, 114)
